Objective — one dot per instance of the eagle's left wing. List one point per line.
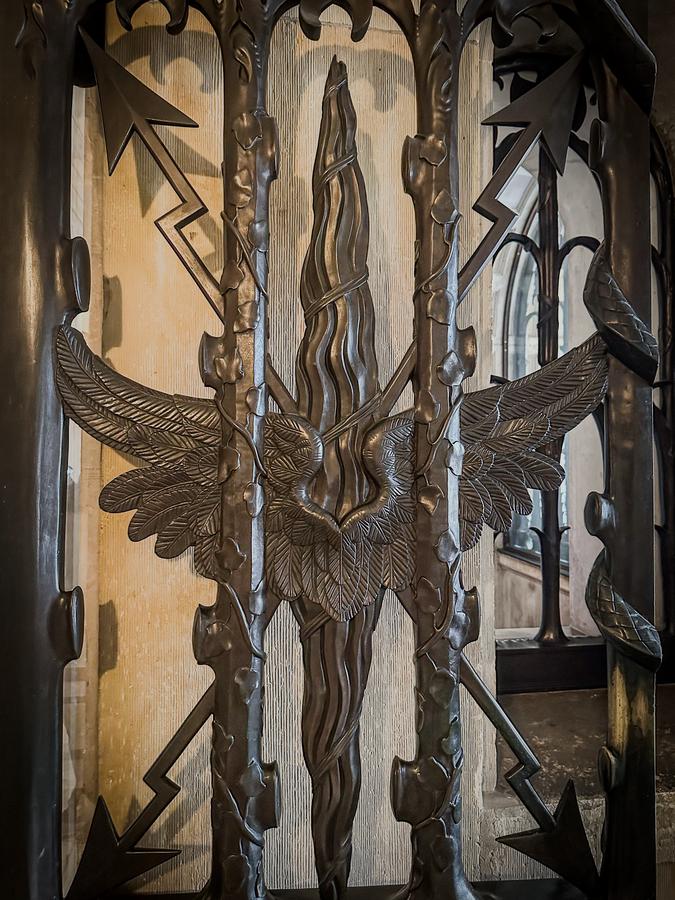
(177, 496)
(504, 427)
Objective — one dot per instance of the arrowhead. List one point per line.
(126, 103)
(105, 865)
(550, 106)
(564, 849)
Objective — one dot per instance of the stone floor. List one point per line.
(566, 730)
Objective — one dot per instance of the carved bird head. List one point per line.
(388, 453)
(293, 452)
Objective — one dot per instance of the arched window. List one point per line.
(519, 309)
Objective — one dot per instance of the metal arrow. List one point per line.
(109, 859)
(545, 113)
(560, 842)
(128, 107)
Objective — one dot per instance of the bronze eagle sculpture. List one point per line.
(342, 565)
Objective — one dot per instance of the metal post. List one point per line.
(234, 365)
(440, 610)
(550, 534)
(623, 516)
(42, 624)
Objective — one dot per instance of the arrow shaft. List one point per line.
(172, 223)
(528, 764)
(156, 776)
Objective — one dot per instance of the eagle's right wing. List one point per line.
(504, 428)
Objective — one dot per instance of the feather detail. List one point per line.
(342, 566)
(504, 427)
(176, 497)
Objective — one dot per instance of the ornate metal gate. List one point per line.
(332, 499)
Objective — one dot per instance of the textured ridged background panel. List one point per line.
(380, 79)
(153, 320)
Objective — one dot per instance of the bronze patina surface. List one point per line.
(333, 499)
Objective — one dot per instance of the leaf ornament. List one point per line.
(176, 496)
(342, 566)
(505, 427)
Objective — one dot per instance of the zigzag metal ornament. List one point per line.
(128, 108)
(353, 500)
(546, 114)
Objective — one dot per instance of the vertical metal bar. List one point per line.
(626, 522)
(661, 23)
(550, 534)
(234, 365)
(41, 624)
(426, 790)
(664, 425)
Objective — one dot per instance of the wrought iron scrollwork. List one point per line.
(332, 544)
